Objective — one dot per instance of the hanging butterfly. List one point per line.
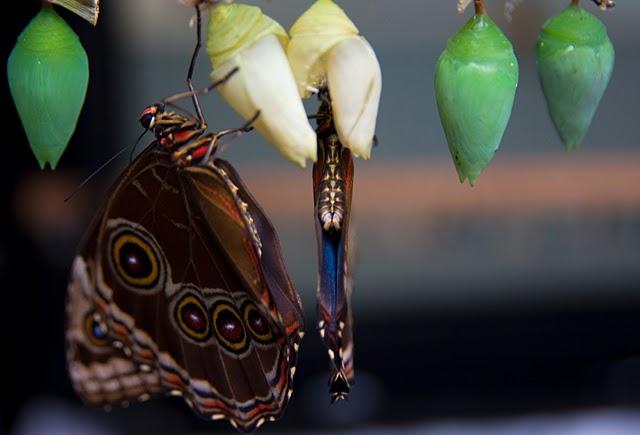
(180, 287)
(332, 187)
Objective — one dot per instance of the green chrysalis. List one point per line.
(475, 83)
(575, 62)
(48, 73)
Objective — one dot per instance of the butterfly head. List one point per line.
(148, 116)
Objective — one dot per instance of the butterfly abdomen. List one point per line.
(196, 151)
(338, 341)
(331, 199)
(333, 175)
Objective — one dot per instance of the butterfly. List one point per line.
(180, 287)
(332, 187)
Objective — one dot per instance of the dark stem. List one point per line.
(480, 9)
(194, 57)
(576, 2)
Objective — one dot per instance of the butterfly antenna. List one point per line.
(135, 145)
(102, 166)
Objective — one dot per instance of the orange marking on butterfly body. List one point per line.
(200, 152)
(166, 141)
(183, 136)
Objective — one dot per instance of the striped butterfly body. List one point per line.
(332, 187)
(180, 287)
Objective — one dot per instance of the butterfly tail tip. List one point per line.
(339, 387)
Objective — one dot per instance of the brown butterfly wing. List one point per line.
(101, 373)
(285, 297)
(179, 279)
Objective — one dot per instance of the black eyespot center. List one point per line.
(98, 329)
(257, 324)
(192, 317)
(228, 326)
(95, 329)
(135, 260)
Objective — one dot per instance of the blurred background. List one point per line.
(509, 307)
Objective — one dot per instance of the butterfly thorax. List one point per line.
(179, 135)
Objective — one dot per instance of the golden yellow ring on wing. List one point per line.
(145, 281)
(190, 299)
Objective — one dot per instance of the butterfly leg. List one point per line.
(193, 93)
(201, 91)
(248, 126)
(202, 149)
(192, 65)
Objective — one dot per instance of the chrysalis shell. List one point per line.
(575, 61)
(475, 82)
(87, 9)
(313, 34)
(234, 27)
(48, 73)
(242, 37)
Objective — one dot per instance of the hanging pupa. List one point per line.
(475, 82)
(48, 73)
(241, 36)
(575, 61)
(326, 48)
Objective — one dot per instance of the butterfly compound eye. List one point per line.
(148, 116)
